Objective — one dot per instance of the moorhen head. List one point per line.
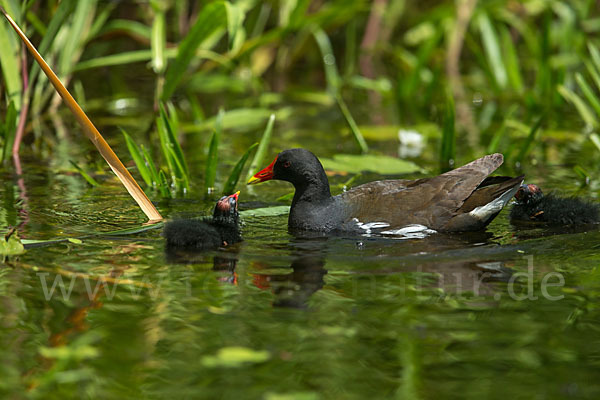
(465, 199)
(220, 230)
(533, 206)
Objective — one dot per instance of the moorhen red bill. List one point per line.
(464, 199)
(220, 230)
(533, 206)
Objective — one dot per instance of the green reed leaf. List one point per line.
(138, 158)
(259, 157)
(212, 20)
(84, 174)
(234, 177)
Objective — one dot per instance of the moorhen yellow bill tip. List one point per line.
(263, 175)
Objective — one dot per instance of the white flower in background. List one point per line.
(411, 143)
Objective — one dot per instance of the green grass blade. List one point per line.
(158, 42)
(9, 129)
(151, 167)
(115, 59)
(84, 174)
(333, 79)
(173, 118)
(213, 158)
(259, 157)
(181, 175)
(77, 31)
(495, 141)
(595, 54)
(332, 75)
(9, 62)
(36, 23)
(211, 20)
(163, 185)
(492, 49)
(100, 19)
(356, 134)
(593, 73)
(530, 138)
(586, 114)
(448, 148)
(584, 176)
(164, 146)
(211, 161)
(130, 27)
(513, 68)
(130, 57)
(235, 21)
(64, 9)
(172, 140)
(138, 158)
(234, 177)
(588, 93)
(13, 8)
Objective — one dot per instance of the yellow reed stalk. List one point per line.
(90, 130)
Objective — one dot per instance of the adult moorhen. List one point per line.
(208, 233)
(465, 199)
(533, 206)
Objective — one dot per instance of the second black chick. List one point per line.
(220, 230)
(533, 206)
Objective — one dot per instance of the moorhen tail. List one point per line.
(213, 232)
(533, 206)
(464, 199)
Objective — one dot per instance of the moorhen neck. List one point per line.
(533, 206)
(465, 199)
(213, 232)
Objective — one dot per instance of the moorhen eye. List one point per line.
(465, 199)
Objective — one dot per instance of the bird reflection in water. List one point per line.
(465, 266)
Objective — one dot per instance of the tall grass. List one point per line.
(256, 59)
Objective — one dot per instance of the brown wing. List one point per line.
(431, 201)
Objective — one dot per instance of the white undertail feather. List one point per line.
(414, 231)
(485, 212)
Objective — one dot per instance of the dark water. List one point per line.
(508, 313)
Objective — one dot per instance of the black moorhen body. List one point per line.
(533, 206)
(465, 199)
(219, 230)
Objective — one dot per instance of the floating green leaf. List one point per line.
(10, 245)
(266, 211)
(379, 164)
(235, 356)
